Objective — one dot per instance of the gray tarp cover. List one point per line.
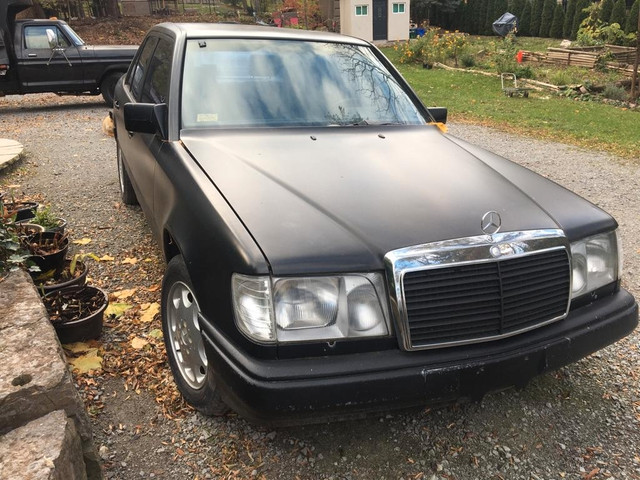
(505, 24)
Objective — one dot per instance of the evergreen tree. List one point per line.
(606, 6)
(547, 17)
(488, 19)
(579, 17)
(568, 19)
(469, 12)
(619, 13)
(525, 21)
(632, 18)
(536, 16)
(558, 22)
(500, 7)
(518, 8)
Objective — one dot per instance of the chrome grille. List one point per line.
(456, 292)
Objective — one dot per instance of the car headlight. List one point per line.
(596, 261)
(299, 309)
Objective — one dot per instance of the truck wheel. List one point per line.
(108, 87)
(127, 192)
(191, 370)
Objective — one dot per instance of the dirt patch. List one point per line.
(128, 30)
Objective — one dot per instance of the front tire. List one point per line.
(127, 192)
(108, 87)
(192, 371)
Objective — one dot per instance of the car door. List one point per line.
(146, 82)
(49, 60)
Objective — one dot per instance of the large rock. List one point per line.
(34, 378)
(48, 448)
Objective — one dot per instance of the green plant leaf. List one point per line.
(116, 310)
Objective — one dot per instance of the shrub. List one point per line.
(615, 93)
(434, 47)
(467, 60)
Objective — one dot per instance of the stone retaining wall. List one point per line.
(42, 419)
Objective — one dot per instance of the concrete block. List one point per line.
(48, 448)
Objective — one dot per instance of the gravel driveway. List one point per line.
(582, 422)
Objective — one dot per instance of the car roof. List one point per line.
(229, 30)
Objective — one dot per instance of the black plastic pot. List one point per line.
(59, 283)
(53, 261)
(22, 210)
(87, 328)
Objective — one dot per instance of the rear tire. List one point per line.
(108, 87)
(192, 372)
(127, 192)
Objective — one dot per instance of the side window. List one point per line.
(137, 73)
(156, 85)
(39, 37)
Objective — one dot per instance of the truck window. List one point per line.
(156, 86)
(136, 75)
(36, 37)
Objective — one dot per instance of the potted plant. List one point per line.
(76, 312)
(51, 223)
(48, 250)
(18, 210)
(74, 272)
(13, 255)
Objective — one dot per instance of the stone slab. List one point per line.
(10, 151)
(34, 377)
(48, 448)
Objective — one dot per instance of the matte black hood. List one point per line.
(333, 200)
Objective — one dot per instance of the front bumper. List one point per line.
(285, 391)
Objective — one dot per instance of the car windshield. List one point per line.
(267, 83)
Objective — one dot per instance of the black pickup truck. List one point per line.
(48, 56)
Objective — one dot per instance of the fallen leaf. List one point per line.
(124, 294)
(591, 474)
(130, 261)
(138, 343)
(154, 288)
(88, 362)
(149, 313)
(117, 309)
(106, 258)
(77, 347)
(155, 333)
(82, 241)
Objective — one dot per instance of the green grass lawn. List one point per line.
(474, 98)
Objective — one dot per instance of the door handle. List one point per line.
(32, 55)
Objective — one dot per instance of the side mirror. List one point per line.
(439, 114)
(52, 38)
(146, 118)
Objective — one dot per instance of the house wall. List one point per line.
(360, 26)
(398, 24)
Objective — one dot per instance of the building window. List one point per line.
(398, 8)
(362, 10)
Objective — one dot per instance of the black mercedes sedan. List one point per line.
(331, 250)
